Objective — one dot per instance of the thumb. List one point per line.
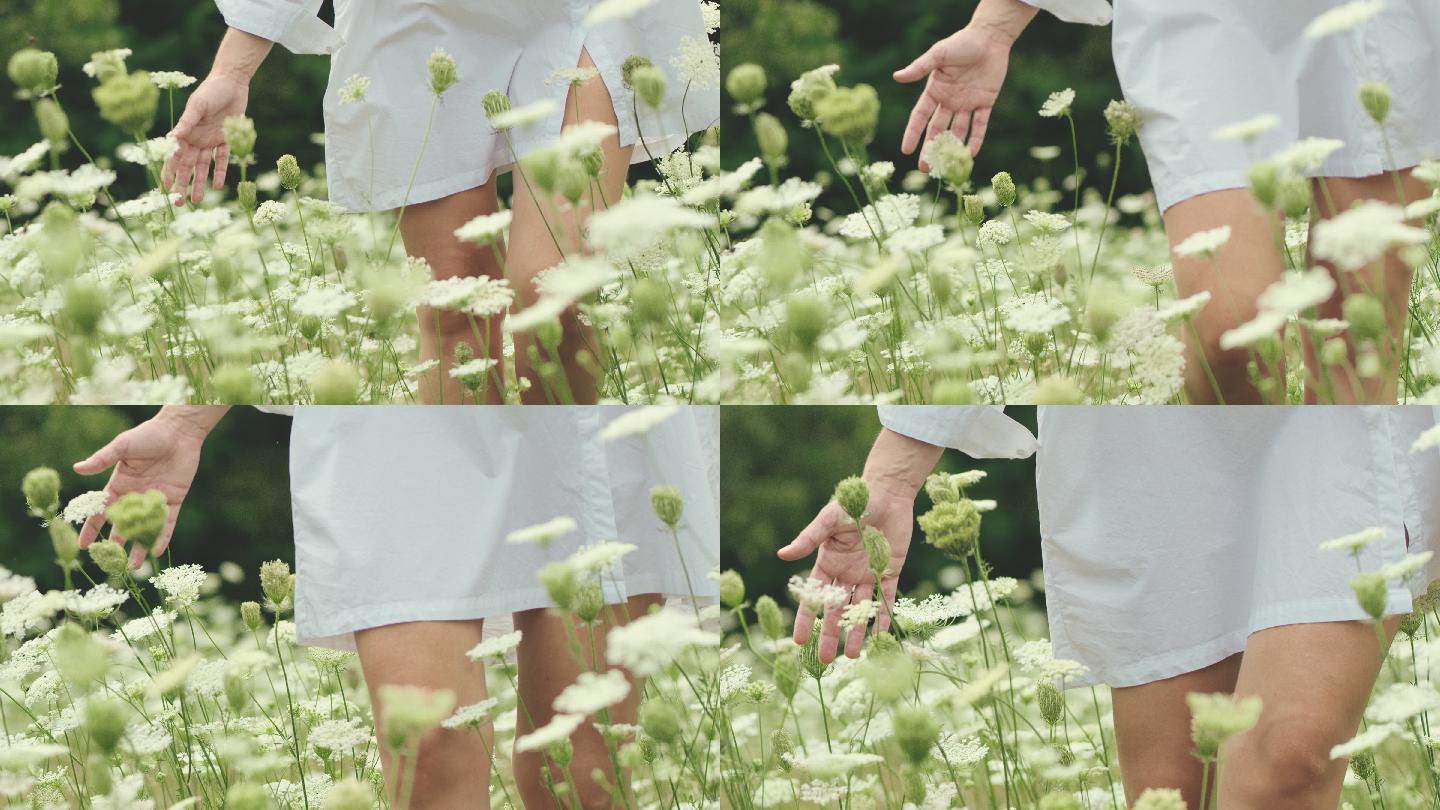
(919, 69)
(102, 459)
(188, 121)
(810, 537)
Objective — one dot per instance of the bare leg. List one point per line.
(1248, 263)
(1152, 730)
(547, 666)
(1389, 280)
(452, 769)
(429, 233)
(533, 235)
(1314, 681)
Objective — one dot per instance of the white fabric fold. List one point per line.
(1089, 12)
(981, 431)
(293, 24)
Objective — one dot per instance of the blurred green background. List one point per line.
(779, 465)
(870, 39)
(238, 509)
(284, 99)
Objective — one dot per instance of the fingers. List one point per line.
(919, 69)
(977, 130)
(804, 623)
(830, 632)
(919, 117)
(137, 555)
(91, 529)
(102, 459)
(811, 536)
(961, 126)
(887, 589)
(202, 172)
(939, 123)
(222, 163)
(856, 637)
(162, 542)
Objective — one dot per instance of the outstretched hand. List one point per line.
(965, 71)
(158, 454)
(200, 137)
(840, 560)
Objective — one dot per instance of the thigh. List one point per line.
(1236, 275)
(428, 231)
(1389, 279)
(429, 655)
(1152, 730)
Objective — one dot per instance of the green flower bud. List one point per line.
(1411, 623)
(275, 581)
(1375, 98)
(1369, 588)
(629, 66)
(443, 73)
(411, 711)
(336, 383)
(1004, 186)
(810, 655)
(572, 182)
(1058, 390)
(589, 601)
(1366, 315)
(41, 487)
(668, 504)
(915, 732)
(808, 91)
(952, 392)
(128, 101)
(84, 305)
(913, 781)
(1363, 766)
(235, 385)
(1051, 702)
(542, 166)
(251, 616)
(786, 674)
(660, 720)
(953, 527)
(80, 659)
(54, 125)
(140, 516)
(853, 495)
(746, 83)
(973, 208)
(33, 71)
(806, 316)
(649, 84)
(850, 114)
(1122, 119)
(882, 644)
(110, 557)
(495, 102)
(780, 745)
(1059, 801)
(245, 193)
(289, 170)
(877, 550)
(1265, 183)
(767, 612)
(732, 588)
(349, 794)
(247, 796)
(890, 676)
(941, 488)
(240, 137)
(237, 689)
(105, 722)
(1294, 197)
(65, 541)
(773, 140)
(560, 583)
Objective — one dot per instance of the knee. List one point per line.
(591, 760)
(1282, 765)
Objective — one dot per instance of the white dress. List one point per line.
(1169, 535)
(1194, 66)
(514, 46)
(401, 512)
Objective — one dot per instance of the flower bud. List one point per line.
(1411, 623)
(1265, 183)
(349, 794)
(953, 527)
(42, 491)
(443, 73)
(668, 504)
(140, 516)
(240, 137)
(237, 689)
(806, 317)
(495, 102)
(65, 541)
(336, 383)
(952, 392)
(770, 135)
(853, 495)
(105, 722)
(1294, 197)
(275, 581)
(915, 732)
(251, 616)
(1051, 702)
(589, 601)
(411, 711)
(235, 385)
(780, 745)
(660, 720)
(949, 159)
(786, 674)
(1369, 588)
(808, 91)
(649, 84)
(245, 193)
(560, 584)
(877, 550)
(1366, 315)
(84, 306)
(542, 166)
(1059, 801)
(1375, 98)
(128, 101)
(110, 557)
(629, 66)
(246, 796)
(732, 588)
(851, 113)
(810, 655)
(54, 125)
(746, 83)
(33, 71)
(973, 209)
(941, 488)
(289, 170)
(1122, 119)
(767, 612)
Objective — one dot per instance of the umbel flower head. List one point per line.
(276, 581)
(240, 137)
(33, 71)
(732, 588)
(949, 159)
(746, 84)
(668, 504)
(495, 102)
(1123, 121)
(443, 73)
(850, 113)
(767, 612)
(289, 170)
(110, 557)
(410, 711)
(953, 527)
(915, 732)
(649, 84)
(128, 101)
(41, 487)
(1215, 718)
(808, 90)
(139, 516)
(877, 550)
(1370, 588)
(1004, 187)
(853, 495)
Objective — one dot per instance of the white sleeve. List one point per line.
(282, 410)
(291, 23)
(1089, 12)
(981, 431)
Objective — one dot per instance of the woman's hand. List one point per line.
(162, 454)
(200, 136)
(842, 561)
(965, 70)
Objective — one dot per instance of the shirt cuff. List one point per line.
(1089, 12)
(293, 24)
(980, 431)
